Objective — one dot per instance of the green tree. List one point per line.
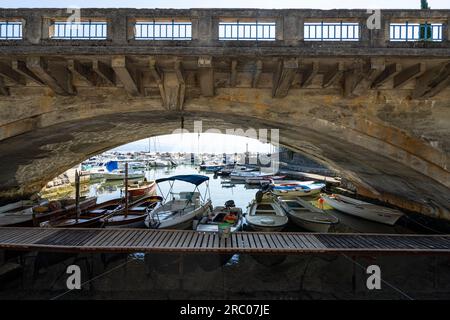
(425, 29)
(424, 4)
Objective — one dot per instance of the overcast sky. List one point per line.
(191, 142)
(318, 4)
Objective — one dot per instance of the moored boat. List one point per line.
(266, 215)
(179, 211)
(296, 188)
(80, 217)
(363, 209)
(140, 189)
(134, 216)
(227, 217)
(307, 216)
(263, 179)
(44, 212)
(119, 174)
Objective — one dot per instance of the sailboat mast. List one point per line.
(77, 194)
(126, 189)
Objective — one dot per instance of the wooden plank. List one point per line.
(305, 240)
(283, 241)
(37, 236)
(236, 241)
(141, 236)
(181, 239)
(174, 237)
(134, 239)
(264, 244)
(19, 237)
(152, 238)
(9, 234)
(194, 240)
(205, 240)
(118, 236)
(293, 243)
(245, 240)
(162, 240)
(270, 241)
(187, 240)
(251, 240)
(99, 239)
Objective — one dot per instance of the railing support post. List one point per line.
(291, 30)
(32, 29)
(118, 29)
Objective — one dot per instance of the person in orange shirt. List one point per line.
(320, 201)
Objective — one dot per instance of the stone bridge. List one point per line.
(370, 105)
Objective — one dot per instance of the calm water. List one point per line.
(221, 190)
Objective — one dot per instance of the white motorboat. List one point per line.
(307, 216)
(296, 188)
(266, 215)
(246, 175)
(119, 174)
(180, 209)
(363, 209)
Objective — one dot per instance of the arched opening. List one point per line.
(33, 158)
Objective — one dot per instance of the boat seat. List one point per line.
(138, 209)
(98, 211)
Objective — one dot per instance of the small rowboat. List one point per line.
(70, 220)
(32, 216)
(363, 209)
(307, 216)
(297, 189)
(266, 215)
(134, 218)
(141, 189)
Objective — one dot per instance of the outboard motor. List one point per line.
(230, 204)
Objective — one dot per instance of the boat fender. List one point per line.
(54, 205)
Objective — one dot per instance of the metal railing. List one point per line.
(84, 30)
(157, 30)
(10, 30)
(415, 31)
(250, 31)
(331, 31)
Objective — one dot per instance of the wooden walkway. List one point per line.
(145, 240)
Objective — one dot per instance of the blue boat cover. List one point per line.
(112, 165)
(195, 179)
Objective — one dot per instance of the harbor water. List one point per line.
(223, 189)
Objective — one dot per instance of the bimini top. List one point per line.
(195, 179)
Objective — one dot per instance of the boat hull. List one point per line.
(309, 225)
(296, 193)
(182, 222)
(259, 228)
(142, 191)
(371, 212)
